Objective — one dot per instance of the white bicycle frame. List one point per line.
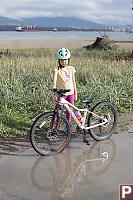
(85, 110)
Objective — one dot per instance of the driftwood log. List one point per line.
(5, 53)
(101, 43)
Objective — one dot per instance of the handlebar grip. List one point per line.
(54, 89)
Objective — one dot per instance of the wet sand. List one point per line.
(46, 43)
(57, 43)
(80, 172)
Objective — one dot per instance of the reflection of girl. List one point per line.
(63, 78)
(64, 166)
(64, 169)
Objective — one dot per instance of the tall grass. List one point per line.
(26, 79)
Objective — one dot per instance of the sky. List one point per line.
(100, 11)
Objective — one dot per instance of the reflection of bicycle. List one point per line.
(50, 133)
(63, 171)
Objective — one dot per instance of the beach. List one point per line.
(57, 43)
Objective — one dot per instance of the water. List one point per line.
(76, 173)
(13, 35)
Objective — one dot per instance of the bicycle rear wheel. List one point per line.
(102, 110)
(48, 137)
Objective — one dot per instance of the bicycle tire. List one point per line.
(36, 172)
(104, 131)
(40, 143)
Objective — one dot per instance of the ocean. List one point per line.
(13, 35)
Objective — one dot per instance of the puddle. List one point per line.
(80, 172)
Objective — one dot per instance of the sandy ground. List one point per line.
(57, 43)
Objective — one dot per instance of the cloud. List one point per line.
(100, 11)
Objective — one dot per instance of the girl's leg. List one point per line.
(70, 99)
(57, 102)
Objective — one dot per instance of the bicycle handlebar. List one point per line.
(61, 91)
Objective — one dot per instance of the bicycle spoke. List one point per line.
(104, 121)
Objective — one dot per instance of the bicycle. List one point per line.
(51, 131)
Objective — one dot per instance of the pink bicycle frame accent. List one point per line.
(85, 110)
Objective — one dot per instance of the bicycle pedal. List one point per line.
(86, 141)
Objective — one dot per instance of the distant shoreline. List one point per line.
(57, 43)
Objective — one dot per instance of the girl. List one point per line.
(63, 78)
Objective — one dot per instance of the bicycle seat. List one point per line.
(89, 100)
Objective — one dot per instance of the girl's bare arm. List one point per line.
(74, 85)
(54, 79)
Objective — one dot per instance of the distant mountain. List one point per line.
(61, 22)
(68, 22)
(52, 22)
(8, 21)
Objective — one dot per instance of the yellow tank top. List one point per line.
(65, 78)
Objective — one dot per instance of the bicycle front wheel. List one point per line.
(101, 112)
(48, 137)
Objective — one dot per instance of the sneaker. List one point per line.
(65, 129)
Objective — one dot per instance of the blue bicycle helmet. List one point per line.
(63, 53)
